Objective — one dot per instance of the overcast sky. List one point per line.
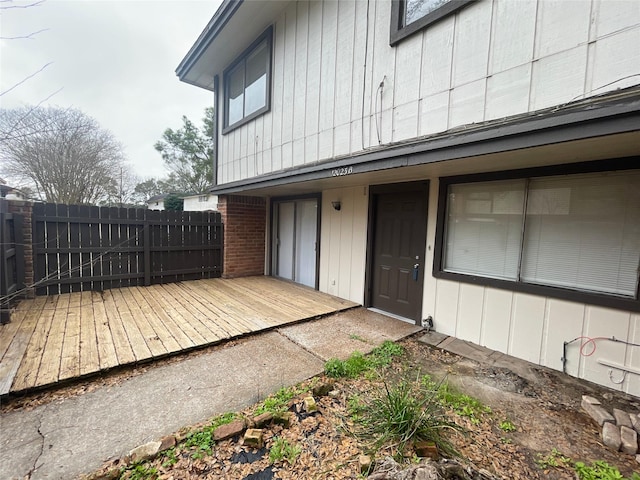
(114, 60)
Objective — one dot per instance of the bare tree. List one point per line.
(63, 153)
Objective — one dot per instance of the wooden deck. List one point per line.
(56, 338)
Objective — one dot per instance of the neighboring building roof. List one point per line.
(157, 198)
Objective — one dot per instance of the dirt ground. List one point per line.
(542, 405)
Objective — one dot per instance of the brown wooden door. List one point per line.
(399, 241)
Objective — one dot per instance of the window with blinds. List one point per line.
(580, 232)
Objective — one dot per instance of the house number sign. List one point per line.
(341, 172)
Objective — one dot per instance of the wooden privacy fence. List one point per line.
(78, 247)
(11, 258)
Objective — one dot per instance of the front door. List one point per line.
(399, 244)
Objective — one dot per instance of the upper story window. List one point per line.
(573, 235)
(410, 16)
(247, 84)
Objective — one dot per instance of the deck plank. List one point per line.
(9, 330)
(107, 355)
(223, 306)
(259, 314)
(89, 356)
(121, 343)
(205, 322)
(174, 338)
(169, 343)
(15, 353)
(172, 318)
(70, 356)
(136, 338)
(150, 336)
(51, 356)
(28, 372)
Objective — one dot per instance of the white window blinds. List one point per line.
(580, 232)
(484, 228)
(583, 232)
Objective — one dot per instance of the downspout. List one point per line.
(216, 132)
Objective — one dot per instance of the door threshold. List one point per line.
(392, 315)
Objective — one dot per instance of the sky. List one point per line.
(113, 59)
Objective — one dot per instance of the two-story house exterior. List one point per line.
(472, 161)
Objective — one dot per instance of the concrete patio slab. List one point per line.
(339, 335)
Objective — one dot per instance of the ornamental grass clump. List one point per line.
(406, 412)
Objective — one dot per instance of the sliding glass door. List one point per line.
(295, 240)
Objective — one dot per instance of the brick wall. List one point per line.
(244, 220)
(25, 209)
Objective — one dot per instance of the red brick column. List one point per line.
(244, 220)
(25, 208)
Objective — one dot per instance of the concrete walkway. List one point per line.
(62, 440)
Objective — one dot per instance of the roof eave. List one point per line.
(226, 10)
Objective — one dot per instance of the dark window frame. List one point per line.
(266, 36)
(399, 30)
(591, 298)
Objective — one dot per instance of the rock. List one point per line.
(611, 436)
(589, 400)
(263, 419)
(310, 405)
(254, 438)
(229, 430)
(635, 421)
(111, 474)
(599, 414)
(167, 442)
(629, 439)
(284, 418)
(622, 418)
(426, 449)
(323, 389)
(144, 452)
(365, 464)
(638, 458)
(389, 469)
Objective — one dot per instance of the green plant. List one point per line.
(170, 457)
(383, 355)
(279, 401)
(554, 459)
(405, 412)
(462, 404)
(356, 407)
(139, 471)
(173, 202)
(600, 470)
(349, 368)
(507, 426)
(201, 441)
(282, 450)
(358, 363)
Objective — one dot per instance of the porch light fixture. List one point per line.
(336, 205)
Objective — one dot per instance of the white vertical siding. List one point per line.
(535, 328)
(490, 60)
(343, 243)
